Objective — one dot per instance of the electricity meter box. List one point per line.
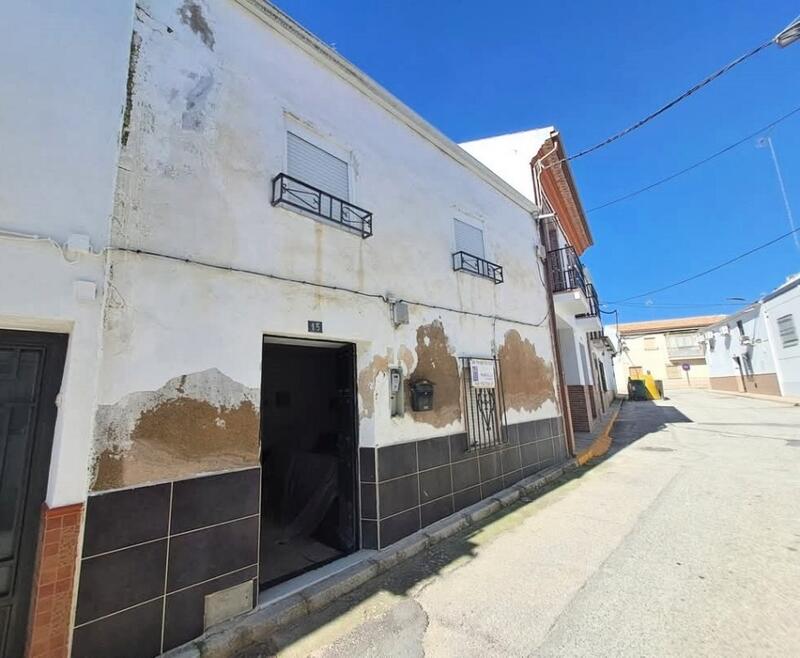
(421, 395)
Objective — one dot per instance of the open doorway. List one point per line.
(309, 446)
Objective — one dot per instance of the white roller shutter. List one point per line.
(469, 239)
(316, 167)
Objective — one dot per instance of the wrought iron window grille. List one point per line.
(289, 191)
(484, 409)
(462, 261)
(594, 303)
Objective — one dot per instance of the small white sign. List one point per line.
(482, 373)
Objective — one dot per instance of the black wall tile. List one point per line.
(512, 478)
(134, 633)
(465, 474)
(466, 498)
(433, 452)
(398, 495)
(211, 552)
(122, 518)
(366, 461)
(543, 430)
(185, 610)
(121, 579)
(510, 459)
(438, 509)
(512, 432)
(204, 501)
(491, 487)
(545, 450)
(490, 466)
(530, 455)
(401, 525)
(527, 471)
(369, 534)
(434, 484)
(527, 432)
(396, 461)
(458, 447)
(369, 507)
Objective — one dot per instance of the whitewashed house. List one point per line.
(257, 315)
(534, 162)
(757, 349)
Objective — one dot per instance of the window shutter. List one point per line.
(787, 331)
(469, 239)
(318, 168)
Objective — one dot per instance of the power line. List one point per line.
(685, 170)
(668, 105)
(710, 270)
(656, 305)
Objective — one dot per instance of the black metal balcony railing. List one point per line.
(594, 302)
(297, 194)
(476, 265)
(566, 270)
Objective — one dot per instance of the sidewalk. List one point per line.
(758, 396)
(589, 445)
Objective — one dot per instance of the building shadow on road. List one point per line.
(391, 593)
(640, 418)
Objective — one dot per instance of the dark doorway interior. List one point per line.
(31, 367)
(309, 447)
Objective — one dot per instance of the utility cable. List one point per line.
(705, 81)
(709, 270)
(699, 163)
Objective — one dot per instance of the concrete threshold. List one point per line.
(289, 603)
(596, 443)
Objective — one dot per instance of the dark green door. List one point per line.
(31, 366)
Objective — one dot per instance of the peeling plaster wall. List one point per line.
(211, 102)
(62, 87)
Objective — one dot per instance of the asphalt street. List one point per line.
(683, 540)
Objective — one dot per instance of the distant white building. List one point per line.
(757, 349)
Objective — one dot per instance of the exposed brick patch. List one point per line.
(54, 582)
(579, 408)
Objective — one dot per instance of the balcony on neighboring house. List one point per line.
(294, 193)
(464, 262)
(684, 346)
(572, 293)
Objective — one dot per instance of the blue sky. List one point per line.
(475, 69)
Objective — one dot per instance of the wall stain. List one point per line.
(366, 384)
(196, 101)
(527, 377)
(133, 60)
(191, 14)
(196, 423)
(437, 364)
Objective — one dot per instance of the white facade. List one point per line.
(587, 359)
(781, 310)
(63, 101)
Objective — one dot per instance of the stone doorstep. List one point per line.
(257, 625)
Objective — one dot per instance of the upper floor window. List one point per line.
(317, 167)
(469, 238)
(470, 253)
(787, 331)
(650, 343)
(317, 182)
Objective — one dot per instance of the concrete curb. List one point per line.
(602, 443)
(787, 400)
(263, 621)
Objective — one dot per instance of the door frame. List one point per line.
(49, 386)
(322, 344)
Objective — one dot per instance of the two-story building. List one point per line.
(673, 351)
(535, 163)
(257, 316)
